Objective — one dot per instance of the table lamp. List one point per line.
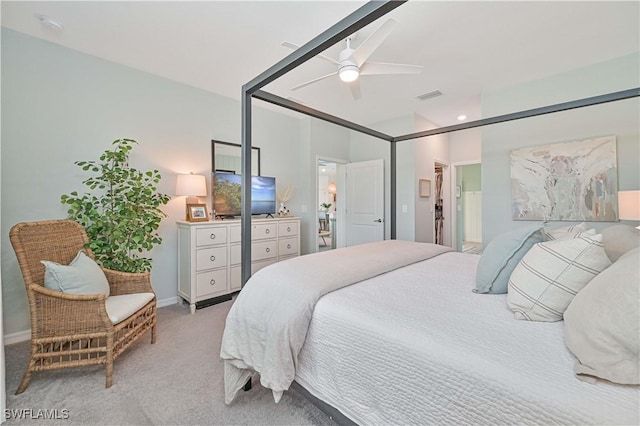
(193, 186)
(629, 205)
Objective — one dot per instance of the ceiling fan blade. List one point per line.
(354, 87)
(319, 56)
(368, 46)
(372, 68)
(300, 86)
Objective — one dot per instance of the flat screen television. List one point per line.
(227, 194)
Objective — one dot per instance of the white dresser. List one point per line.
(209, 255)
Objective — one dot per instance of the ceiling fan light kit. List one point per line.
(349, 73)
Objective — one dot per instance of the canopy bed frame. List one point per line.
(347, 26)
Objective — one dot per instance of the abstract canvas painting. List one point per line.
(566, 181)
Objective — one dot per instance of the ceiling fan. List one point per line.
(353, 63)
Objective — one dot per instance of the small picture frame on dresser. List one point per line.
(197, 213)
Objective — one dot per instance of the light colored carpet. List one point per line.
(177, 381)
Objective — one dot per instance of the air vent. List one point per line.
(429, 95)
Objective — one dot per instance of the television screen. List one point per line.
(263, 195)
(227, 194)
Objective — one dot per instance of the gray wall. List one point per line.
(621, 119)
(60, 106)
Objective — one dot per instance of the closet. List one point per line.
(438, 206)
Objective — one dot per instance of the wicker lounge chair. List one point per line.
(74, 330)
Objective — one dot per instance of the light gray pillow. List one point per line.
(501, 256)
(81, 276)
(602, 324)
(619, 239)
(550, 275)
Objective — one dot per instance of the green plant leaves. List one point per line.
(123, 217)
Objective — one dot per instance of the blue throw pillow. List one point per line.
(501, 256)
(81, 276)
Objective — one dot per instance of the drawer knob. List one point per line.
(212, 282)
(288, 246)
(268, 250)
(266, 231)
(212, 236)
(212, 258)
(288, 229)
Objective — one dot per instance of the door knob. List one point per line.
(378, 220)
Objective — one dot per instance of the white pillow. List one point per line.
(548, 277)
(602, 324)
(81, 276)
(619, 239)
(571, 231)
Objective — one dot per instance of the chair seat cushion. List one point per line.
(82, 276)
(121, 307)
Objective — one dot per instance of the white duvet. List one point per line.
(417, 346)
(267, 325)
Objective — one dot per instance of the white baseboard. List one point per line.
(21, 336)
(166, 302)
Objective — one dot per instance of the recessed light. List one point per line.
(462, 117)
(51, 23)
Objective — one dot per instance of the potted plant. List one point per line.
(122, 215)
(326, 206)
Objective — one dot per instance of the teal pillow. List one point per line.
(501, 256)
(81, 276)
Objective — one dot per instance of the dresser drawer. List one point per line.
(287, 246)
(287, 229)
(211, 283)
(263, 250)
(209, 258)
(235, 234)
(235, 254)
(263, 230)
(256, 266)
(236, 278)
(210, 236)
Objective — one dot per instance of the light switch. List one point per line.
(404, 208)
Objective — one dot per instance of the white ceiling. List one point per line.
(467, 48)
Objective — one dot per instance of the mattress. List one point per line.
(417, 346)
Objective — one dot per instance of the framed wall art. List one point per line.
(572, 181)
(424, 187)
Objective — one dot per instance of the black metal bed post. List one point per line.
(245, 219)
(392, 181)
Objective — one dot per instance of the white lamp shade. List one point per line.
(629, 205)
(191, 185)
(331, 189)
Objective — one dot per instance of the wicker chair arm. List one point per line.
(128, 282)
(55, 313)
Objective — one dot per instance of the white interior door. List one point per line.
(365, 202)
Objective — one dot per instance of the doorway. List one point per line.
(330, 178)
(468, 208)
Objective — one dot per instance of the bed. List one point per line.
(414, 345)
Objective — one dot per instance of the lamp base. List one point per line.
(190, 200)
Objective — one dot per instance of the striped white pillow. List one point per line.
(570, 231)
(548, 277)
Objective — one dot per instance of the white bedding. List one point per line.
(417, 346)
(267, 325)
